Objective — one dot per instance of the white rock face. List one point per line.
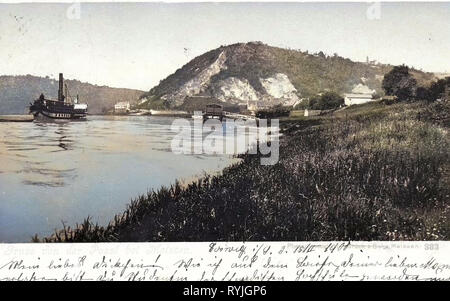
(197, 84)
(143, 100)
(279, 89)
(280, 86)
(235, 90)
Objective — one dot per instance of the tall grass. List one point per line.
(375, 172)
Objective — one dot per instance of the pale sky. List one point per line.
(135, 45)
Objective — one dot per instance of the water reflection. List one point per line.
(53, 172)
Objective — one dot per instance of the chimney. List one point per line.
(61, 85)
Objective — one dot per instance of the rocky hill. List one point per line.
(257, 72)
(16, 92)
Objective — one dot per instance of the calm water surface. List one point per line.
(63, 172)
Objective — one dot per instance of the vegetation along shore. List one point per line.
(375, 171)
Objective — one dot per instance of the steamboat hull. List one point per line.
(45, 115)
(57, 110)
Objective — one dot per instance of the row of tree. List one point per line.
(323, 101)
(399, 82)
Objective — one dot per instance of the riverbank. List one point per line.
(370, 172)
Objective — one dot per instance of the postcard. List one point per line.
(224, 141)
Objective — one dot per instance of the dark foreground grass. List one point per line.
(372, 172)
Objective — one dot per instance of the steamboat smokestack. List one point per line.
(60, 90)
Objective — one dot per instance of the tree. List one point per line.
(326, 101)
(314, 102)
(423, 93)
(434, 91)
(399, 82)
(274, 112)
(437, 89)
(330, 100)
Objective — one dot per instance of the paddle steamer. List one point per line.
(63, 108)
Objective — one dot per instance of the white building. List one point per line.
(122, 107)
(356, 99)
(308, 113)
(360, 94)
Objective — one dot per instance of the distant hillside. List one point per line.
(441, 75)
(255, 71)
(16, 92)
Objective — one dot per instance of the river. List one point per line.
(55, 173)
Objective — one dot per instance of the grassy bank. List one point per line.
(370, 172)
